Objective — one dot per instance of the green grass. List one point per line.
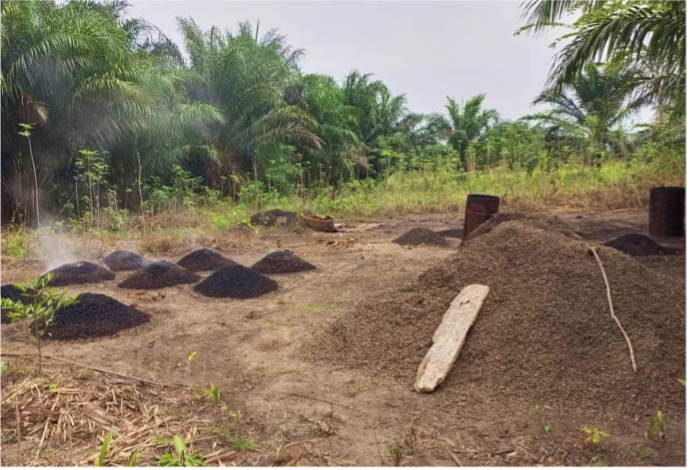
(243, 444)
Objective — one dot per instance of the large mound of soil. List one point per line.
(124, 261)
(159, 275)
(544, 334)
(93, 316)
(635, 244)
(274, 218)
(237, 282)
(81, 272)
(204, 260)
(282, 261)
(421, 236)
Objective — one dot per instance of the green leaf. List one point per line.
(104, 449)
(180, 445)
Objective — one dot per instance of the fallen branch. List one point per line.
(456, 459)
(613, 315)
(316, 398)
(97, 369)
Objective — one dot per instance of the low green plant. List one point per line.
(133, 459)
(242, 444)
(213, 393)
(656, 427)
(643, 453)
(682, 382)
(397, 453)
(104, 449)
(593, 435)
(181, 457)
(42, 302)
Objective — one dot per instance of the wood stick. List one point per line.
(316, 398)
(19, 431)
(456, 459)
(613, 315)
(97, 369)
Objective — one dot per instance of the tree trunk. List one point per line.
(33, 164)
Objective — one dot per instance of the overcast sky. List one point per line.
(426, 50)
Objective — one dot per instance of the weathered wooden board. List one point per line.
(450, 336)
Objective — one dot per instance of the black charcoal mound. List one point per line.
(236, 282)
(94, 316)
(281, 262)
(274, 218)
(8, 291)
(158, 275)
(124, 261)
(451, 233)
(81, 272)
(421, 236)
(635, 244)
(205, 260)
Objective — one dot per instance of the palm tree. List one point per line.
(640, 32)
(245, 80)
(599, 99)
(466, 122)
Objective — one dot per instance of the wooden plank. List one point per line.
(450, 336)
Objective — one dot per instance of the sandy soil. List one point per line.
(248, 349)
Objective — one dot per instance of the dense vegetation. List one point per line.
(104, 116)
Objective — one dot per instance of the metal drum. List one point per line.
(478, 210)
(667, 212)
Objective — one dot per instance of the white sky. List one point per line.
(425, 49)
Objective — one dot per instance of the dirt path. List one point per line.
(248, 348)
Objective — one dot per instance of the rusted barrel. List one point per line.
(667, 212)
(478, 210)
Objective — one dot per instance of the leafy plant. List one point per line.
(42, 304)
(656, 426)
(104, 449)
(213, 393)
(593, 435)
(180, 457)
(397, 453)
(133, 459)
(642, 453)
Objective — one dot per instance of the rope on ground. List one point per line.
(613, 315)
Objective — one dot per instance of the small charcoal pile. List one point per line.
(274, 218)
(236, 282)
(159, 275)
(421, 236)
(94, 316)
(544, 334)
(204, 260)
(451, 233)
(124, 261)
(81, 272)
(280, 262)
(8, 291)
(635, 244)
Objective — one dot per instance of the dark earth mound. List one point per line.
(94, 316)
(282, 261)
(159, 275)
(274, 218)
(204, 260)
(544, 334)
(8, 291)
(421, 236)
(236, 282)
(551, 223)
(81, 272)
(451, 233)
(124, 261)
(635, 244)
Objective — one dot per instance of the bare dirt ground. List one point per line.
(327, 415)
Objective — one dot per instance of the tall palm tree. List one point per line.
(599, 99)
(651, 32)
(245, 79)
(466, 122)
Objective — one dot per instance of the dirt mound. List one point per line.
(635, 244)
(159, 275)
(282, 261)
(93, 316)
(421, 236)
(236, 282)
(551, 223)
(544, 334)
(81, 272)
(124, 261)
(204, 260)
(275, 218)
(451, 233)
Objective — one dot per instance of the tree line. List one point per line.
(103, 113)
